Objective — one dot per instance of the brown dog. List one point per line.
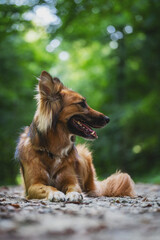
(52, 166)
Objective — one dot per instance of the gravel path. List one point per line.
(95, 219)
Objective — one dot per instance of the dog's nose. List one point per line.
(107, 119)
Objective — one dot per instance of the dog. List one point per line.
(52, 166)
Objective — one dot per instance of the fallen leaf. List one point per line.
(15, 205)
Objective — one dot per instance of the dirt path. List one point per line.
(96, 219)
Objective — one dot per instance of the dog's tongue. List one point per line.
(88, 130)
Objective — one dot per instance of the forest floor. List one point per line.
(95, 219)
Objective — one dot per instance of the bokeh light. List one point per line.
(64, 56)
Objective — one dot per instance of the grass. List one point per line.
(151, 178)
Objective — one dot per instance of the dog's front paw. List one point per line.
(56, 196)
(74, 197)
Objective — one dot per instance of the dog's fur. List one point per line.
(52, 166)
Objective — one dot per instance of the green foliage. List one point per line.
(118, 74)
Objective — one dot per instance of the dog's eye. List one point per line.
(83, 104)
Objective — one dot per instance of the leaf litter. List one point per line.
(95, 218)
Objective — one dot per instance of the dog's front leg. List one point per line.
(67, 182)
(41, 191)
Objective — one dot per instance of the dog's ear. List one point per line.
(48, 85)
(49, 101)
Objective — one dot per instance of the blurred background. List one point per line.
(109, 51)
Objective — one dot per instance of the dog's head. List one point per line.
(58, 104)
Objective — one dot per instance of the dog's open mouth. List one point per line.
(85, 128)
(81, 127)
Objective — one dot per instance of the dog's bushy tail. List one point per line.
(118, 184)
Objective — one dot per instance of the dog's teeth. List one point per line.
(79, 123)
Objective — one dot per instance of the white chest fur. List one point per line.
(58, 159)
(65, 151)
